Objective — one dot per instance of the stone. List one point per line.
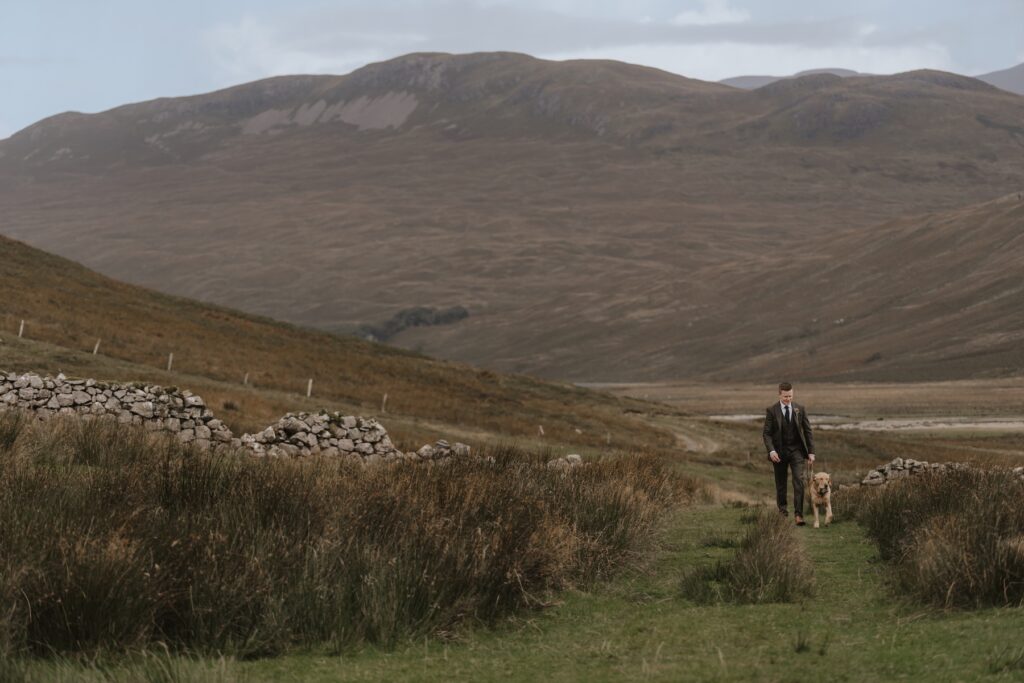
(574, 459)
(203, 432)
(143, 409)
(292, 425)
(346, 445)
(460, 450)
(364, 448)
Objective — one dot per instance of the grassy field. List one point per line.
(635, 626)
(850, 627)
(638, 626)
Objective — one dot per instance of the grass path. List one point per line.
(640, 628)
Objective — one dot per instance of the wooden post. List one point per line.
(540, 430)
(245, 380)
(309, 388)
(384, 403)
(170, 361)
(96, 349)
(21, 330)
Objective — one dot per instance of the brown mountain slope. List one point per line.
(935, 296)
(68, 305)
(589, 215)
(754, 82)
(1011, 80)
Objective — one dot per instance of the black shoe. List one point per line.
(783, 512)
(799, 520)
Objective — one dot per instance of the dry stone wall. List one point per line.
(155, 408)
(188, 418)
(900, 468)
(334, 434)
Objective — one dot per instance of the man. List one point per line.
(788, 438)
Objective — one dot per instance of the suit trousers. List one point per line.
(791, 461)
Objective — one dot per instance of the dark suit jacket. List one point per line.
(773, 428)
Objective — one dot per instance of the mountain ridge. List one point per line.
(564, 206)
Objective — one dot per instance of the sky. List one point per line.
(61, 55)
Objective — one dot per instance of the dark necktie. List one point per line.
(787, 413)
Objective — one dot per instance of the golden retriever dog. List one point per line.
(821, 496)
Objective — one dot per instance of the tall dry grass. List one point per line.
(112, 539)
(770, 565)
(955, 538)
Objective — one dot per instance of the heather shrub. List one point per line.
(114, 539)
(955, 538)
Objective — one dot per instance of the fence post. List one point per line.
(540, 430)
(170, 361)
(309, 388)
(21, 329)
(96, 349)
(245, 380)
(384, 404)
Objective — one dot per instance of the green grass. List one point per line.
(640, 628)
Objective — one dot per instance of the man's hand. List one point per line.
(810, 456)
(774, 456)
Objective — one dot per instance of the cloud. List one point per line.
(255, 49)
(16, 60)
(713, 12)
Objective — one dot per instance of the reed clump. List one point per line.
(112, 539)
(955, 538)
(770, 565)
